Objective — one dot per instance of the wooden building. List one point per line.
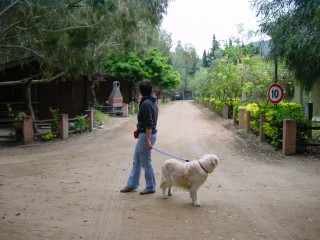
(70, 96)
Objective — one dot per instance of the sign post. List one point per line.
(275, 93)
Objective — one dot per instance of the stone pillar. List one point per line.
(248, 119)
(261, 128)
(241, 117)
(90, 119)
(298, 93)
(132, 108)
(315, 98)
(63, 126)
(125, 110)
(289, 138)
(27, 130)
(225, 111)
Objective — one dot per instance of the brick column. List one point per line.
(27, 130)
(125, 110)
(261, 128)
(248, 119)
(241, 117)
(90, 119)
(289, 138)
(63, 126)
(225, 111)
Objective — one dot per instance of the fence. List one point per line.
(5, 124)
(63, 130)
(62, 126)
(289, 129)
(27, 130)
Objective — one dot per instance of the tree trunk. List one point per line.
(29, 105)
(130, 91)
(93, 94)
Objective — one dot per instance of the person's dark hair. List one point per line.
(145, 87)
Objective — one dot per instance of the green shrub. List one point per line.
(219, 106)
(99, 118)
(17, 126)
(48, 136)
(255, 112)
(275, 114)
(136, 107)
(80, 124)
(54, 124)
(10, 111)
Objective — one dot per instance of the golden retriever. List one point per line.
(189, 176)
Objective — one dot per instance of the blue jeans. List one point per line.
(142, 159)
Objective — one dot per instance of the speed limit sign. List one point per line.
(275, 93)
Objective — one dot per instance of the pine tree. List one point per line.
(214, 46)
(205, 62)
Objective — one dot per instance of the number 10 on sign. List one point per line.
(275, 93)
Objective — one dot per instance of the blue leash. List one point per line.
(186, 160)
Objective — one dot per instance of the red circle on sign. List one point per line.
(275, 93)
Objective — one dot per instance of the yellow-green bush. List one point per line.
(255, 112)
(275, 116)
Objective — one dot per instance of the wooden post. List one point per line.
(261, 128)
(63, 126)
(225, 111)
(289, 137)
(90, 119)
(248, 119)
(27, 130)
(241, 117)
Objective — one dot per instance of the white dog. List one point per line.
(189, 176)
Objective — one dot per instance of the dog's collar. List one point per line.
(203, 167)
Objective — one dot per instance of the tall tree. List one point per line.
(294, 26)
(73, 37)
(205, 62)
(161, 73)
(154, 67)
(215, 45)
(185, 60)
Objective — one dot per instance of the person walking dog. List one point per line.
(147, 136)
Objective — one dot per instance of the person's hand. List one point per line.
(149, 146)
(148, 137)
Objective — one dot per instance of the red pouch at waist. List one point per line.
(136, 134)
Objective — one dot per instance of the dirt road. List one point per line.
(70, 190)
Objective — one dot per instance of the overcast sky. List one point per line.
(195, 21)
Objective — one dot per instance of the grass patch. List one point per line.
(99, 118)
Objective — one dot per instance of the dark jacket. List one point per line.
(148, 114)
